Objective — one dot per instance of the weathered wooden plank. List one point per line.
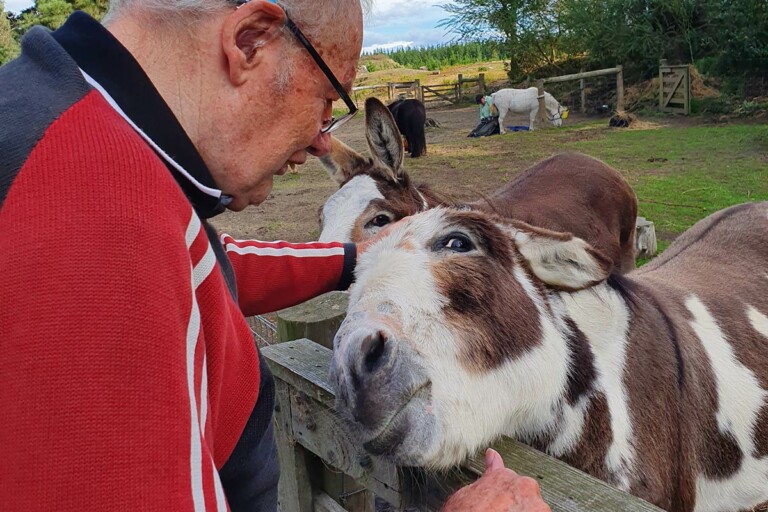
(566, 489)
(645, 238)
(294, 489)
(319, 429)
(443, 96)
(317, 319)
(577, 76)
(678, 80)
(303, 364)
(543, 116)
(563, 487)
(441, 88)
(619, 88)
(324, 503)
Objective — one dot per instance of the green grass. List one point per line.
(681, 175)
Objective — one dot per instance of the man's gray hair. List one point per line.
(309, 15)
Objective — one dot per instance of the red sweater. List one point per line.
(128, 369)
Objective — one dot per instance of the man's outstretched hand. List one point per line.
(498, 490)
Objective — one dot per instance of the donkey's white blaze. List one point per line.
(603, 317)
(406, 277)
(345, 206)
(758, 320)
(739, 398)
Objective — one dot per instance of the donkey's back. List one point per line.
(715, 255)
(711, 289)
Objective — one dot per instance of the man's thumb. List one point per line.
(493, 460)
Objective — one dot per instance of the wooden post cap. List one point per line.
(317, 319)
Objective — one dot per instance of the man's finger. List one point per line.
(493, 460)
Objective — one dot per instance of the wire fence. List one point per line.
(264, 330)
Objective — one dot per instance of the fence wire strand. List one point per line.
(263, 329)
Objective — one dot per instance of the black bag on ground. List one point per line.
(485, 128)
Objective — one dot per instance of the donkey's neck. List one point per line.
(589, 424)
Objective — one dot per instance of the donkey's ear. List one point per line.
(343, 162)
(560, 260)
(384, 138)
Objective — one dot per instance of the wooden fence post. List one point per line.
(645, 239)
(543, 118)
(662, 64)
(481, 83)
(294, 489)
(619, 88)
(583, 91)
(390, 90)
(460, 89)
(317, 319)
(417, 92)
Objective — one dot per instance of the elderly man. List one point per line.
(130, 379)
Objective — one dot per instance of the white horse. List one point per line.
(526, 101)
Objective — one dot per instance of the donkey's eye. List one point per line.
(379, 221)
(455, 242)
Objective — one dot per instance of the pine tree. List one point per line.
(9, 47)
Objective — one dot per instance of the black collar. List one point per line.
(104, 59)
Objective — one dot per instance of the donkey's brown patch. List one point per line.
(497, 320)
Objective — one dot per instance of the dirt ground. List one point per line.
(465, 168)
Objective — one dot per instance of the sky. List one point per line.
(404, 23)
(390, 23)
(17, 5)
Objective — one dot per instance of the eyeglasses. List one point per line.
(334, 123)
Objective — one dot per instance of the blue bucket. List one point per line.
(517, 128)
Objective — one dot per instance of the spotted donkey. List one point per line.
(463, 327)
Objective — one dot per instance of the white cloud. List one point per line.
(390, 21)
(402, 11)
(16, 6)
(387, 46)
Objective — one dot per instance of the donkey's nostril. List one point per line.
(373, 348)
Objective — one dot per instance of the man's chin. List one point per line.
(257, 196)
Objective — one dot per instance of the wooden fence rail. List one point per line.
(452, 92)
(618, 71)
(311, 437)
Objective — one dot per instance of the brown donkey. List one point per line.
(464, 326)
(569, 192)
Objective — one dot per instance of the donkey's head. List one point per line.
(374, 191)
(450, 340)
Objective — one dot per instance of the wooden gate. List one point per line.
(448, 92)
(675, 88)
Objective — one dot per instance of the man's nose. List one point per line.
(321, 144)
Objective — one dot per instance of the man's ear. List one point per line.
(560, 260)
(245, 31)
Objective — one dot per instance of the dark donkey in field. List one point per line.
(569, 192)
(411, 117)
(463, 326)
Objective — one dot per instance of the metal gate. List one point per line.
(675, 88)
